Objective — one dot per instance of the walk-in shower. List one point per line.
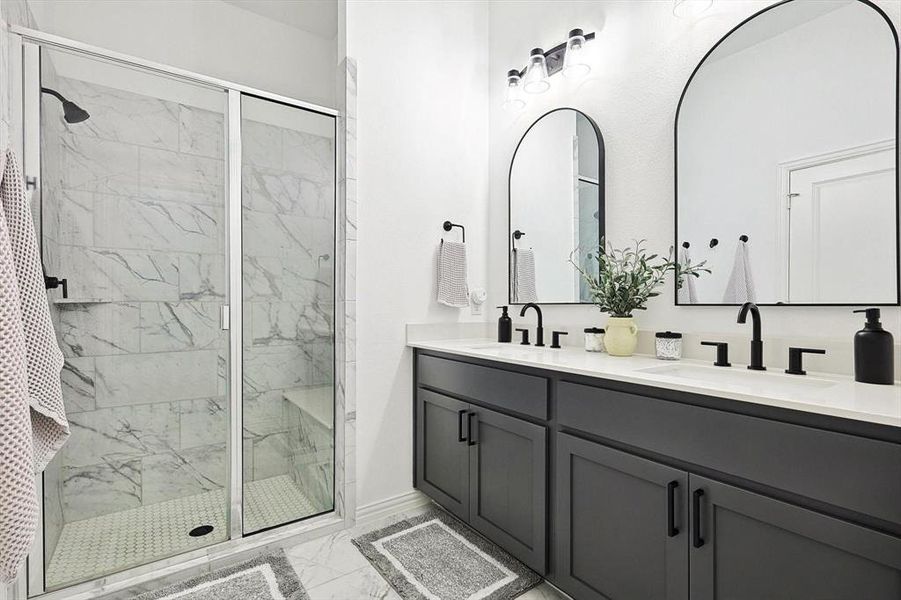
(179, 200)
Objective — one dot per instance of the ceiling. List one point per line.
(319, 17)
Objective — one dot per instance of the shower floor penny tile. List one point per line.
(117, 541)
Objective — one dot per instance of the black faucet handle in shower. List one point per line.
(51, 283)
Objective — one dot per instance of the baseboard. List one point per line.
(389, 506)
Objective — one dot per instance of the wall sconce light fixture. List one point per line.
(513, 99)
(690, 8)
(535, 78)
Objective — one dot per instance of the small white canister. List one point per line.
(594, 339)
(668, 345)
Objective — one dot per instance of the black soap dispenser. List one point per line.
(874, 351)
(504, 326)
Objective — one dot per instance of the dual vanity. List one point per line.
(625, 479)
(632, 479)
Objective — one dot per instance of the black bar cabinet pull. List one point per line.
(696, 540)
(472, 441)
(460, 415)
(671, 529)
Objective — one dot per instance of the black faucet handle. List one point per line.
(555, 338)
(722, 353)
(795, 357)
(525, 336)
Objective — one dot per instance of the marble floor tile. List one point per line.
(543, 591)
(362, 584)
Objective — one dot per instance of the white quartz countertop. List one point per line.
(820, 393)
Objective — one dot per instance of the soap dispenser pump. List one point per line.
(874, 350)
(504, 326)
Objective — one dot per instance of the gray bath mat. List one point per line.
(269, 577)
(436, 557)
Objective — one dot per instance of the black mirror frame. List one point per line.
(894, 32)
(601, 199)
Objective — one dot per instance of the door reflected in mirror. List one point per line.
(556, 208)
(786, 134)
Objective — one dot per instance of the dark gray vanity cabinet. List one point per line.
(751, 546)
(442, 468)
(660, 494)
(508, 484)
(621, 528)
(486, 467)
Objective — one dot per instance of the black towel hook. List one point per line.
(714, 242)
(448, 226)
(686, 245)
(743, 237)
(516, 236)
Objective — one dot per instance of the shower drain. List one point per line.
(201, 531)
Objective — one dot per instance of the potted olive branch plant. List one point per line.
(626, 279)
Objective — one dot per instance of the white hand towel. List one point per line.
(740, 288)
(33, 424)
(453, 289)
(687, 293)
(524, 289)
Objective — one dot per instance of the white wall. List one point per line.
(641, 60)
(210, 37)
(422, 158)
(791, 96)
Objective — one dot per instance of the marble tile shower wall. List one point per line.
(135, 214)
(140, 235)
(289, 261)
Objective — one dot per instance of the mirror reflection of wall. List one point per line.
(556, 203)
(787, 134)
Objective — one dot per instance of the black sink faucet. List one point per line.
(539, 333)
(756, 341)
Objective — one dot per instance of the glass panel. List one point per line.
(132, 209)
(288, 202)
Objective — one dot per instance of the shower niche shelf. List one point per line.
(65, 301)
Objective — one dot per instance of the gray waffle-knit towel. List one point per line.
(524, 289)
(33, 424)
(453, 289)
(740, 288)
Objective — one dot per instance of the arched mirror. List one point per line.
(787, 160)
(556, 207)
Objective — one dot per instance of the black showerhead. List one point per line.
(72, 113)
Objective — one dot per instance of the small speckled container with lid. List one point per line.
(668, 345)
(594, 339)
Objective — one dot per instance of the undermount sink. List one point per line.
(739, 378)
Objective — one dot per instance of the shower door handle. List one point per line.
(224, 317)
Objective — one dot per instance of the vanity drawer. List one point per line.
(855, 473)
(526, 394)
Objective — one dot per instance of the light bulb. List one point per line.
(513, 99)
(574, 65)
(535, 81)
(690, 8)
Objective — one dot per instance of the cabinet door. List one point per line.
(508, 485)
(442, 455)
(621, 523)
(750, 546)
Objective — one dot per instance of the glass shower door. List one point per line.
(288, 234)
(132, 215)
